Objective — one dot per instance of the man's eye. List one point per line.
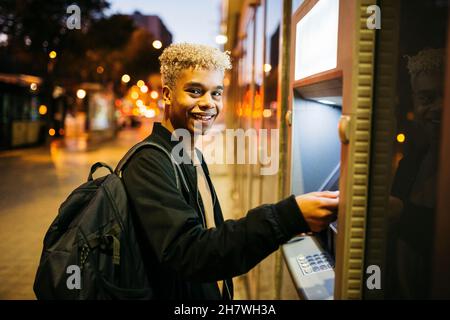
(194, 91)
(425, 99)
(217, 94)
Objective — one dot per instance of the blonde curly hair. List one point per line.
(181, 56)
(427, 60)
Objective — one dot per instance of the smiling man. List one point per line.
(189, 251)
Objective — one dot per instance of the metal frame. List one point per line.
(354, 185)
(382, 151)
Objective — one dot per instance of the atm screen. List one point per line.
(332, 182)
(316, 146)
(316, 152)
(328, 237)
(315, 167)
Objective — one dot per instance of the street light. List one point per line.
(154, 94)
(140, 83)
(267, 67)
(144, 89)
(52, 54)
(221, 39)
(81, 93)
(157, 44)
(126, 78)
(33, 86)
(134, 95)
(267, 113)
(42, 109)
(401, 138)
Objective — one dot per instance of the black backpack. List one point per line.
(90, 250)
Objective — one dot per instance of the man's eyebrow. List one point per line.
(198, 84)
(193, 84)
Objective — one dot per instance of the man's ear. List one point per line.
(167, 95)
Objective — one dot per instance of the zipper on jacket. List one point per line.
(201, 211)
(211, 188)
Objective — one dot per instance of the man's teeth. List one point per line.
(201, 117)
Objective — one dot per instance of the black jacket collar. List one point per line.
(162, 136)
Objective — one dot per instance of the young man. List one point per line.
(415, 182)
(190, 252)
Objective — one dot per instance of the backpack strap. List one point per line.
(97, 165)
(143, 144)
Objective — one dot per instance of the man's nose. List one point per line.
(206, 102)
(437, 106)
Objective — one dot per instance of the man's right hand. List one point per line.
(319, 208)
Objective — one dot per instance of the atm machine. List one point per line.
(329, 104)
(350, 91)
(316, 166)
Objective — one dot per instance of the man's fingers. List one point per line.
(328, 194)
(330, 203)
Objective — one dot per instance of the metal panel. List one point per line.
(352, 222)
(383, 124)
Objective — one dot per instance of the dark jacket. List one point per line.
(183, 258)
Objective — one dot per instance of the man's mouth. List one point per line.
(202, 116)
(433, 117)
(433, 120)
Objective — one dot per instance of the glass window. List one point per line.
(296, 4)
(408, 105)
(273, 16)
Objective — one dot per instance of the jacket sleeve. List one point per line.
(176, 235)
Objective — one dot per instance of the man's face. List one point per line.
(428, 101)
(196, 100)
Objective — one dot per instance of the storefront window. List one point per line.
(273, 16)
(415, 96)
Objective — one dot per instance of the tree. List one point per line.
(36, 27)
(140, 58)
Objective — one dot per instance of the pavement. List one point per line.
(35, 181)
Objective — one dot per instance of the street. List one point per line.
(35, 181)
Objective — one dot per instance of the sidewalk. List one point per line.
(36, 181)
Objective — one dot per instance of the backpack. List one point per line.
(90, 250)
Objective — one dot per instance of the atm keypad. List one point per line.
(314, 263)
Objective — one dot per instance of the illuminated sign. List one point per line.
(317, 40)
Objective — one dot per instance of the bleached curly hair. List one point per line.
(181, 56)
(427, 60)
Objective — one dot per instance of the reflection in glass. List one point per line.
(412, 202)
